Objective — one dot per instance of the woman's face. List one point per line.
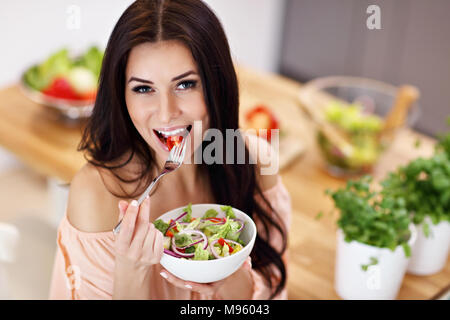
(163, 92)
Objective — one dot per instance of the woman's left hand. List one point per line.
(228, 288)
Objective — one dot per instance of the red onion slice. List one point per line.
(179, 217)
(196, 232)
(192, 244)
(189, 255)
(242, 224)
(213, 223)
(183, 223)
(213, 250)
(175, 249)
(173, 254)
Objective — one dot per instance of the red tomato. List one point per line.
(173, 141)
(169, 233)
(61, 88)
(90, 96)
(261, 117)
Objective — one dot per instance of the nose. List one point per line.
(168, 109)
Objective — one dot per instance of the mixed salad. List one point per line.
(213, 236)
(63, 77)
(361, 127)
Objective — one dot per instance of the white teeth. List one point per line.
(172, 132)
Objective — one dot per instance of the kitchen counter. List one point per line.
(35, 136)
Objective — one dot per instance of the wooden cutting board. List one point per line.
(270, 90)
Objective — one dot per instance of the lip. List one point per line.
(171, 128)
(159, 142)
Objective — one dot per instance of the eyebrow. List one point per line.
(174, 79)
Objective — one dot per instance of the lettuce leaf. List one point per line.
(40, 77)
(233, 234)
(92, 60)
(188, 209)
(199, 253)
(228, 211)
(183, 239)
(211, 213)
(161, 225)
(222, 230)
(193, 225)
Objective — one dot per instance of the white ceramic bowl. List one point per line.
(204, 271)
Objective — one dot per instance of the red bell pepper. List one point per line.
(222, 242)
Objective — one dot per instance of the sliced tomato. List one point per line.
(89, 96)
(174, 227)
(169, 233)
(61, 88)
(173, 141)
(261, 117)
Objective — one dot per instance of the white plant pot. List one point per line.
(381, 281)
(429, 255)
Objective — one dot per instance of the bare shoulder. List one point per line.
(266, 159)
(89, 204)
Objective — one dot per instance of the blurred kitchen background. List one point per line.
(297, 39)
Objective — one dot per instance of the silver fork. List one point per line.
(173, 162)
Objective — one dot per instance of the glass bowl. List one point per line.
(70, 109)
(356, 108)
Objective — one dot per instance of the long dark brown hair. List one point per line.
(110, 134)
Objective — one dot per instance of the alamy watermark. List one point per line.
(73, 21)
(373, 21)
(373, 281)
(260, 151)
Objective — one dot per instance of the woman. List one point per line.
(167, 65)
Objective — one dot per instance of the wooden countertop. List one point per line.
(45, 144)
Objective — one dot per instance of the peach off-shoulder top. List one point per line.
(84, 261)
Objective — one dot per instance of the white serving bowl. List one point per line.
(204, 271)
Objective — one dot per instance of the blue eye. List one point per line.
(188, 84)
(141, 89)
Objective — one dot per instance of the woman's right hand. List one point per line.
(138, 246)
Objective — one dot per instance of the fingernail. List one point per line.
(163, 274)
(134, 203)
(188, 286)
(147, 197)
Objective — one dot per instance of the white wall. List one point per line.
(254, 29)
(30, 30)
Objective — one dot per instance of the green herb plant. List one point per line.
(424, 185)
(372, 219)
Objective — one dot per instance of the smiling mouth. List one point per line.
(170, 138)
